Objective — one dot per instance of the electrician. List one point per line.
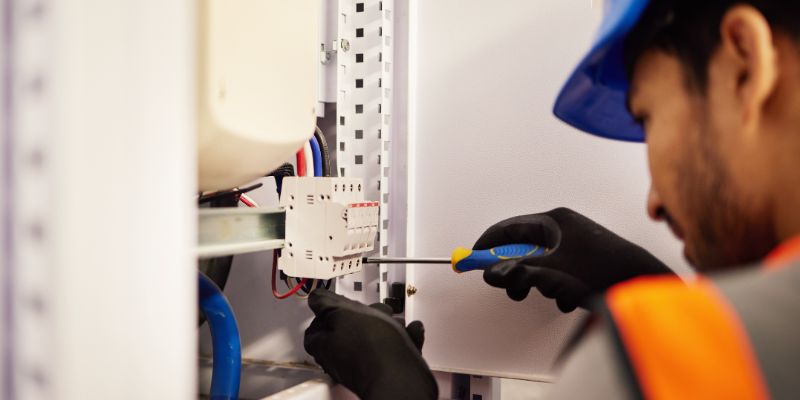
(712, 88)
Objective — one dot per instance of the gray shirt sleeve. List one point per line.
(592, 371)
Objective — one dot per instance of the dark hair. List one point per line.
(689, 29)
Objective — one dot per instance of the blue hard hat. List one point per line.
(594, 98)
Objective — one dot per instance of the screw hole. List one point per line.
(291, 207)
(290, 244)
(359, 187)
(330, 237)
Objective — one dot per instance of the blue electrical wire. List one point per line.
(318, 171)
(317, 156)
(227, 351)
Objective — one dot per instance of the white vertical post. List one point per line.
(102, 281)
(5, 206)
(30, 180)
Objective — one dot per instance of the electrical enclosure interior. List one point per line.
(116, 114)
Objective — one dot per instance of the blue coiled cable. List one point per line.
(227, 351)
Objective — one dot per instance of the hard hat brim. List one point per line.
(594, 98)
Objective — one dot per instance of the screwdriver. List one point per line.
(464, 260)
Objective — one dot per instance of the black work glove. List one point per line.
(585, 259)
(365, 349)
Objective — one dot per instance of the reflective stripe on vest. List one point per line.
(684, 341)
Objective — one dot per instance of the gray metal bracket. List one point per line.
(229, 231)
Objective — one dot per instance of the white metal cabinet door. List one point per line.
(483, 146)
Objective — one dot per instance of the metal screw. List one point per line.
(345, 45)
(410, 290)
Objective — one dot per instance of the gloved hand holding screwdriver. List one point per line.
(583, 260)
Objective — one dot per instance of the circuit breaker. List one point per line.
(329, 226)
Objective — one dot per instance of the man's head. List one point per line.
(716, 86)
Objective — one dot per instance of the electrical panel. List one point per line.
(329, 226)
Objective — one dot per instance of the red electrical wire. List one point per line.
(246, 201)
(274, 278)
(275, 293)
(301, 162)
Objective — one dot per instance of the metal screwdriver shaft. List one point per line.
(404, 260)
(464, 259)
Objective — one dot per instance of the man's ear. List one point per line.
(747, 41)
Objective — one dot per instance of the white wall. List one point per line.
(484, 146)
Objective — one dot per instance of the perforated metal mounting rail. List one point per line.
(364, 108)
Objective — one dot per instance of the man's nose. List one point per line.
(655, 208)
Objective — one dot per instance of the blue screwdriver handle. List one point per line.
(464, 260)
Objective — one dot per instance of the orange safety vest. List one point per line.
(684, 340)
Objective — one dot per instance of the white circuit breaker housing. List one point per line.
(329, 226)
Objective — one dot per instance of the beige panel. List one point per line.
(258, 72)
